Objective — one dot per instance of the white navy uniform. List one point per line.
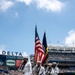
(27, 70)
(40, 72)
(55, 71)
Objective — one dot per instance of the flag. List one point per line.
(45, 48)
(39, 52)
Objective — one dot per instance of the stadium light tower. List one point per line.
(73, 46)
(57, 45)
(64, 47)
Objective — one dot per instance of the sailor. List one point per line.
(26, 67)
(49, 69)
(38, 69)
(55, 69)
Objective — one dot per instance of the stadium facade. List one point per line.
(10, 61)
(59, 54)
(63, 55)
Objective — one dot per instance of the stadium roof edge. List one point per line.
(60, 47)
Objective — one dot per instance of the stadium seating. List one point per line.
(61, 56)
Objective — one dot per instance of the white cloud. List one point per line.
(50, 5)
(70, 39)
(5, 4)
(27, 2)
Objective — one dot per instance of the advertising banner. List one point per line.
(18, 63)
(10, 62)
(2, 60)
(11, 57)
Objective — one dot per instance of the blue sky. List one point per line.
(19, 17)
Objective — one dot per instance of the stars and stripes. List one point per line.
(39, 52)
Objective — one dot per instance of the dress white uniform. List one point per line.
(41, 70)
(55, 71)
(34, 70)
(27, 69)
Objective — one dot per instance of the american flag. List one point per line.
(39, 52)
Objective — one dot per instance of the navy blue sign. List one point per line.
(2, 60)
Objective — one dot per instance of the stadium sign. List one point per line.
(11, 53)
(1, 63)
(10, 62)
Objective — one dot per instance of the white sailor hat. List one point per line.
(49, 64)
(25, 56)
(54, 63)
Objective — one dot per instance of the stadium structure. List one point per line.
(10, 61)
(9, 64)
(63, 55)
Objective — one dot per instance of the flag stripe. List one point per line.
(39, 52)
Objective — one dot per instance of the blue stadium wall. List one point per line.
(10, 61)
